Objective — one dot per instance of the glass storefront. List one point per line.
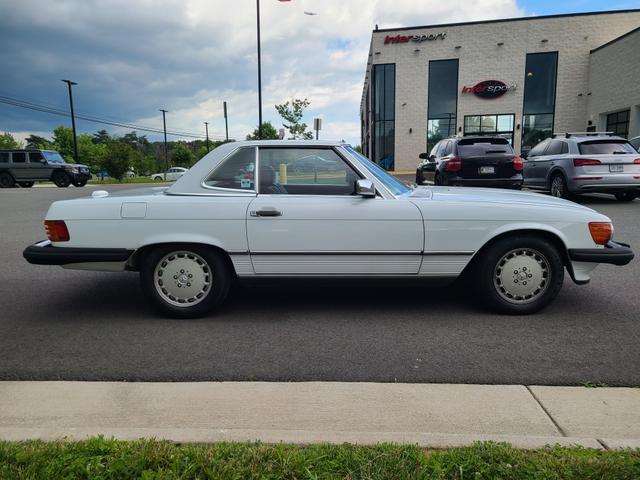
(384, 105)
(539, 98)
(442, 100)
(499, 124)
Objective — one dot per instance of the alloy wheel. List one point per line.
(183, 278)
(521, 275)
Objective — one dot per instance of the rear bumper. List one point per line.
(614, 253)
(43, 253)
(511, 182)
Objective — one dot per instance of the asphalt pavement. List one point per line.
(62, 324)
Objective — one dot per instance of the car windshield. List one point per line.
(605, 147)
(483, 147)
(394, 185)
(53, 157)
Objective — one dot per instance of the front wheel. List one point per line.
(626, 196)
(185, 281)
(519, 275)
(559, 187)
(419, 177)
(61, 179)
(26, 184)
(79, 183)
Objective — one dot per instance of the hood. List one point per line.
(494, 195)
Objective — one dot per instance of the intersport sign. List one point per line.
(489, 89)
(414, 38)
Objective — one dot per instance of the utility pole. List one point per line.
(226, 121)
(206, 127)
(73, 121)
(166, 152)
(259, 74)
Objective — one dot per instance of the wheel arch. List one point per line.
(138, 255)
(552, 172)
(547, 233)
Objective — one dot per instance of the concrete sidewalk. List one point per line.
(432, 415)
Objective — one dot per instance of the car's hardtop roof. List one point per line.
(287, 143)
(584, 137)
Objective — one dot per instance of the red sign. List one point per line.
(489, 89)
(414, 38)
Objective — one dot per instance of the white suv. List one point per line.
(173, 174)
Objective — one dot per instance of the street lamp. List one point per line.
(166, 153)
(206, 127)
(73, 120)
(259, 73)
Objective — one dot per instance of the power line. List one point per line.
(61, 112)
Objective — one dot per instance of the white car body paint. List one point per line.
(431, 231)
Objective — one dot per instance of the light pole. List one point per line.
(166, 153)
(73, 120)
(206, 127)
(226, 121)
(259, 74)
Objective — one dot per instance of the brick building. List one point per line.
(521, 78)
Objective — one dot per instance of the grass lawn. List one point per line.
(113, 181)
(100, 458)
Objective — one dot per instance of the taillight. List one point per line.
(454, 165)
(582, 162)
(518, 164)
(601, 232)
(56, 230)
(637, 161)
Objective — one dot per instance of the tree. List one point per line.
(292, 113)
(8, 142)
(117, 159)
(269, 132)
(182, 156)
(101, 137)
(36, 141)
(63, 142)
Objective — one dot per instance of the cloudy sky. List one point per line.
(132, 57)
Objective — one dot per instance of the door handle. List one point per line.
(266, 212)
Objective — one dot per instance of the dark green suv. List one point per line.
(25, 167)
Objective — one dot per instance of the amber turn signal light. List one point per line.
(56, 230)
(601, 232)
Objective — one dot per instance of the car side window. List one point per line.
(539, 149)
(19, 157)
(4, 157)
(556, 147)
(35, 157)
(236, 172)
(305, 171)
(434, 150)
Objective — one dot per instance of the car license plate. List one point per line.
(487, 170)
(616, 168)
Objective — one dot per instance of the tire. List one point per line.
(26, 184)
(177, 262)
(61, 179)
(79, 183)
(437, 180)
(558, 187)
(626, 196)
(157, 179)
(419, 178)
(6, 180)
(505, 268)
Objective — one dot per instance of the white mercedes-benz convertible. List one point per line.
(320, 209)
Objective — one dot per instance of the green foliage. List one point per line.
(358, 149)
(63, 142)
(117, 159)
(36, 141)
(269, 132)
(182, 156)
(292, 113)
(101, 137)
(100, 458)
(8, 142)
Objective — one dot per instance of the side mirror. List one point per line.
(432, 158)
(524, 155)
(365, 188)
(43, 160)
(424, 156)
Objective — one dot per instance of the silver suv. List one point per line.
(575, 163)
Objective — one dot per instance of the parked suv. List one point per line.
(574, 163)
(25, 167)
(479, 161)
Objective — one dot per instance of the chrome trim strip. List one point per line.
(364, 252)
(445, 252)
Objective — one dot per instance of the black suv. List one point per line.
(478, 161)
(25, 167)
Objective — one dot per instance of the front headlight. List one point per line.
(74, 170)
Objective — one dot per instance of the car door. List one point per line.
(312, 223)
(19, 166)
(534, 174)
(38, 168)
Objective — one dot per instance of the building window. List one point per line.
(539, 98)
(384, 105)
(442, 100)
(500, 125)
(618, 123)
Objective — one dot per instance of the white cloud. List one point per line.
(189, 56)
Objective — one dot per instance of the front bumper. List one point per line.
(614, 253)
(43, 253)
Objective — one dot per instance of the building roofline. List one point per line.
(502, 20)
(615, 40)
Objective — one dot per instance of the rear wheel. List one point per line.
(185, 281)
(437, 180)
(626, 196)
(6, 180)
(559, 186)
(519, 275)
(61, 179)
(419, 177)
(79, 183)
(26, 184)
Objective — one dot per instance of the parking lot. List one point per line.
(63, 324)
